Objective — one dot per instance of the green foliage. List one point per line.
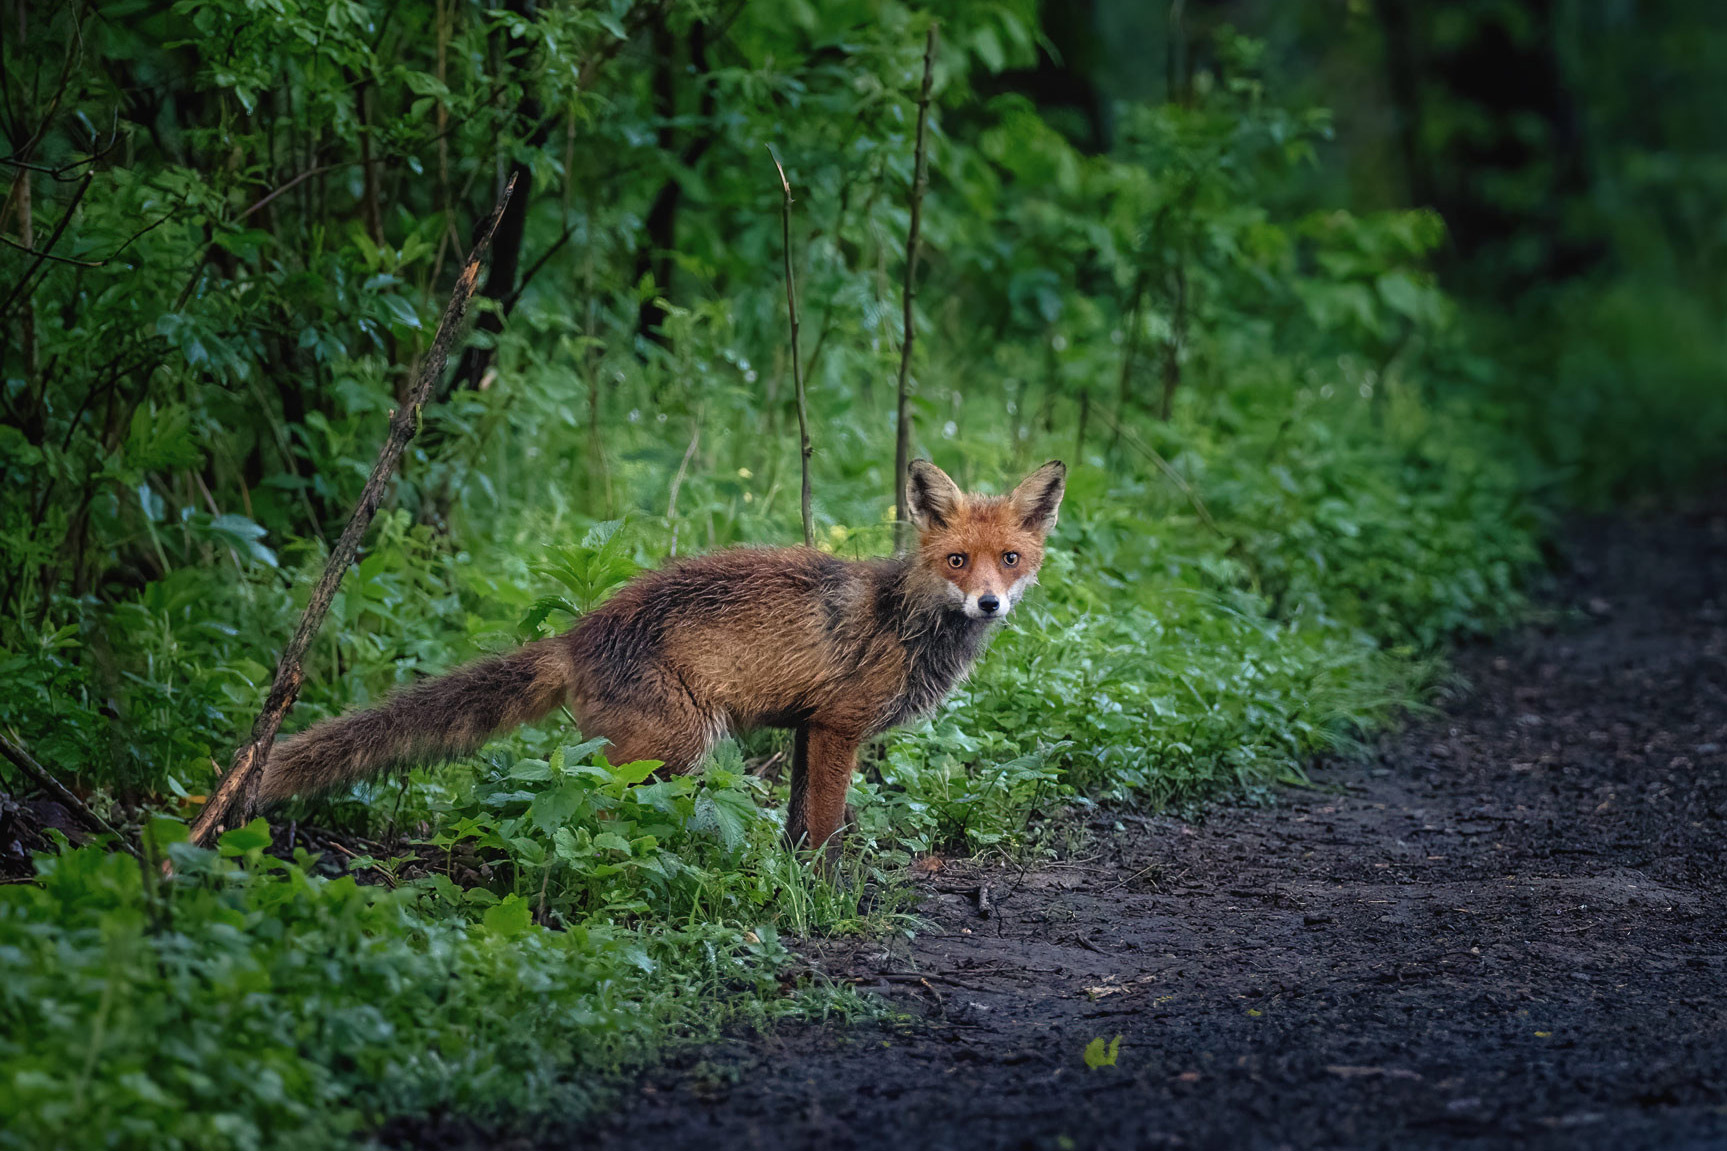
(249, 1002)
(587, 572)
(584, 841)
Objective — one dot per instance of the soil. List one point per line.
(1507, 929)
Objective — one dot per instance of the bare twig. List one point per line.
(27, 764)
(1134, 876)
(510, 301)
(238, 789)
(922, 978)
(804, 448)
(16, 246)
(58, 172)
(288, 187)
(919, 184)
(48, 248)
(769, 768)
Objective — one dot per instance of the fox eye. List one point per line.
(1008, 559)
(956, 560)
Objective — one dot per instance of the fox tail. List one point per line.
(441, 718)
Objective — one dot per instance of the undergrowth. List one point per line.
(1281, 508)
(253, 1002)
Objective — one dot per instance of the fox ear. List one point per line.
(1038, 497)
(932, 498)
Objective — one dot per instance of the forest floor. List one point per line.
(1506, 929)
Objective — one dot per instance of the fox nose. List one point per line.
(987, 604)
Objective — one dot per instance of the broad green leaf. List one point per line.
(240, 840)
(509, 918)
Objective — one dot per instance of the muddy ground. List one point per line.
(1506, 930)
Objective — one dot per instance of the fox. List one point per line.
(836, 650)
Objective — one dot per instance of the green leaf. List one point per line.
(162, 831)
(543, 607)
(630, 774)
(16, 447)
(509, 918)
(531, 769)
(570, 848)
(400, 311)
(253, 837)
(1097, 1054)
(580, 753)
(552, 809)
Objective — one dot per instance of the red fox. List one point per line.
(837, 650)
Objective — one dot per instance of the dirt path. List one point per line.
(1509, 930)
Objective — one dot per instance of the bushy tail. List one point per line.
(441, 718)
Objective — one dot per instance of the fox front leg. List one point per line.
(822, 763)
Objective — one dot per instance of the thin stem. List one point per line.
(919, 184)
(678, 482)
(797, 357)
(1129, 350)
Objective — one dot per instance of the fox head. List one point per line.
(985, 549)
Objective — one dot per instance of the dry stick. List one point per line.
(27, 764)
(797, 358)
(239, 786)
(920, 182)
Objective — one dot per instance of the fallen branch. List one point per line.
(238, 789)
(797, 358)
(27, 764)
(919, 184)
